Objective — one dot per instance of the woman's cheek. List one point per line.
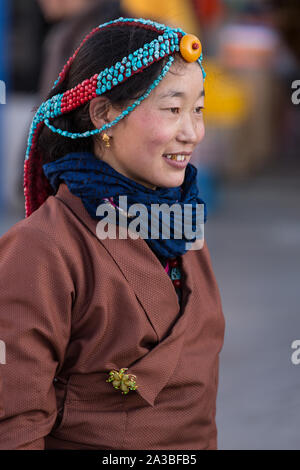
(159, 141)
(161, 132)
(153, 121)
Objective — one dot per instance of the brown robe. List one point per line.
(72, 308)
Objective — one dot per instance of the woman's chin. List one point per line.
(173, 181)
(168, 181)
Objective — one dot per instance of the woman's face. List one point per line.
(168, 122)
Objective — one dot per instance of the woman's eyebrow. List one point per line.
(178, 94)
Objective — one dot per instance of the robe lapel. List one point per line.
(156, 367)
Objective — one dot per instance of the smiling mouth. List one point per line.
(178, 158)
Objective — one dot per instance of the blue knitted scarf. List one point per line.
(93, 180)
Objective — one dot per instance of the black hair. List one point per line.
(101, 50)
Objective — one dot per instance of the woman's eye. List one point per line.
(198, 110)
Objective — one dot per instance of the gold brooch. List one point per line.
(122, 381)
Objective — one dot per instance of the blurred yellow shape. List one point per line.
(227, 100)
(176, 13)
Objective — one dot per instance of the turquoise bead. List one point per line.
(120, 77)
(115, 81)
(175, 273)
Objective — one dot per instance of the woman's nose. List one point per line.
(191, 130)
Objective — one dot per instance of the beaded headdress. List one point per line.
(36, 186)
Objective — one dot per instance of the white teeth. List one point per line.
(178, 158)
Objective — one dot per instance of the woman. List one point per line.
(112, 343)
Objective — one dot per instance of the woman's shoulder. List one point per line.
(51, 224)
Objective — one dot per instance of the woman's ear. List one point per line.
(99, 108)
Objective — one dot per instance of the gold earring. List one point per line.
(106, 139)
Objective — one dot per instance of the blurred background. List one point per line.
(248, 174)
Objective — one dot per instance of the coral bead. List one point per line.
(173, 263)
(190, 47)
(177, 283)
